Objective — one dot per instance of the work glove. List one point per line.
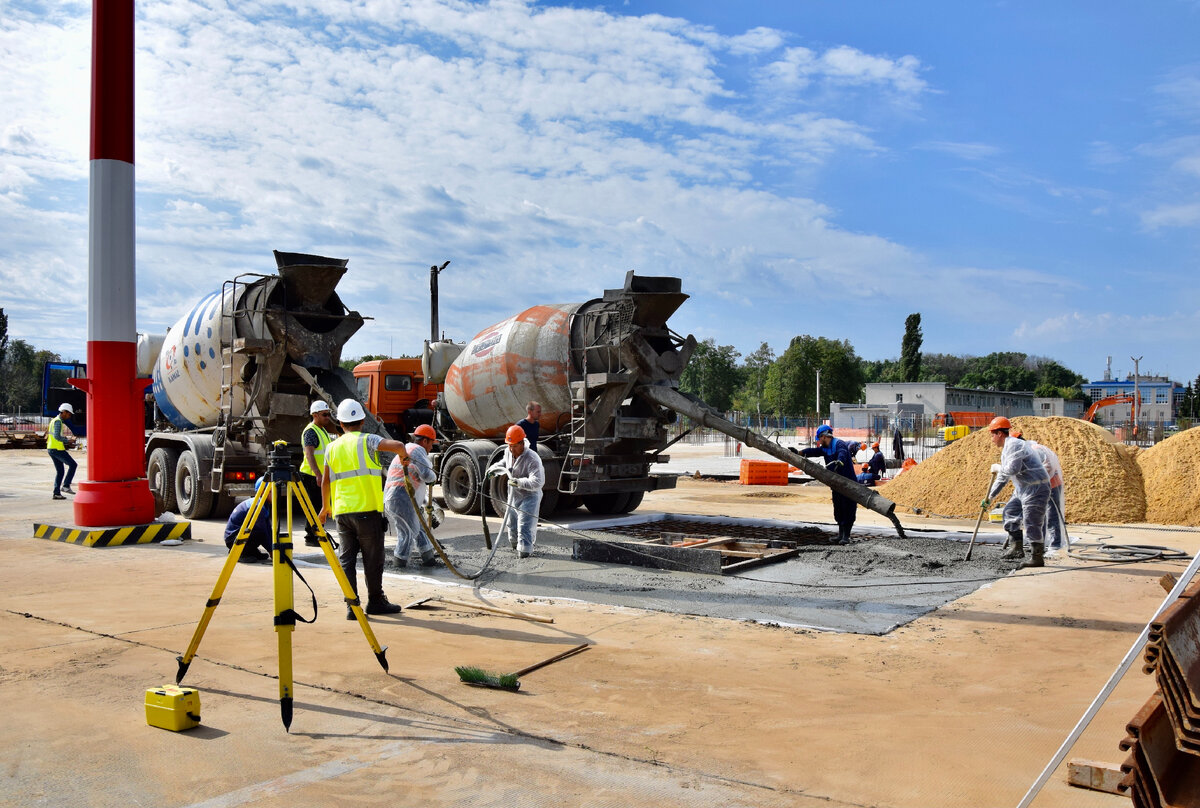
(987, 503)
(496, 470)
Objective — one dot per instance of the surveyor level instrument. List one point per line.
(282, 482)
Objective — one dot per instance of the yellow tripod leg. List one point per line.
(334, 564)
(285, 615)
(235, 552)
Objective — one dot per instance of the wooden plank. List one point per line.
(1094, 775)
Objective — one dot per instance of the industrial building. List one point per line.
(935, 397)
(1160, 396)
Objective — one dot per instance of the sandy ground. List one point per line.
(962, 706)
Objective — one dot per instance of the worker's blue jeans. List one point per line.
(1056, 518)
(61, 458)
(521, 526)
(404, 519)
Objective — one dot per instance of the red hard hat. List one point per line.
(999, 422)
(425, 431)
(514, 435)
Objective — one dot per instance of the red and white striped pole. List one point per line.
(116, 491)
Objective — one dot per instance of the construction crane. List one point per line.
(1134, 399)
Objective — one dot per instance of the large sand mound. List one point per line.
(1102, 478)
(1172, 481)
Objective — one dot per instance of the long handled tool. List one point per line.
(510, 681)
(979, 521)
(537, 618)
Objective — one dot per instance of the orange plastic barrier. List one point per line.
(763, 472)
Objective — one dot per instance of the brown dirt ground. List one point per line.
(962, 707)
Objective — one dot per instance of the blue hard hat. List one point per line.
(823, 429)
(259, 484)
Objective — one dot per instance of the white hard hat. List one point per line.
(318, 406)
(65, 407)
(350, 411)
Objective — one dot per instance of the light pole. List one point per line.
(1137, 399)
(819, 418)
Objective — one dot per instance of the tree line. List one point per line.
(21, 372)
(787, 384)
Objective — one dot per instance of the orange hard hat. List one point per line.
(425, 431)
(875, 445)
(1016, 433)
(514, 435)
(999, 422)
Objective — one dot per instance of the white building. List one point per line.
(935, 397)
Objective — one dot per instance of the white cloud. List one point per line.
(847, 66)
(1181, 215)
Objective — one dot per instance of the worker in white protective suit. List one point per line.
(1056, 510)
(1025, 515)
(526, 476)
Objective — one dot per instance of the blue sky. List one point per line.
(1025, 175)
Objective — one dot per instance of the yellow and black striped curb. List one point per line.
(113, 536)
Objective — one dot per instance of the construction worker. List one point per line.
(873, 469)
(258, 541)
(352, 490)
(398, 506)
(57, 449)
(313, 440)
(1025, 513)
(839, 457)
(1056, 514)
(531, 423)
(526, 476)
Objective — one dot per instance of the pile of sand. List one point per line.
(1102, 478)
(1172, 481)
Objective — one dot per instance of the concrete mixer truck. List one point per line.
(237, 373)
(599, 439)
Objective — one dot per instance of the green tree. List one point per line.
(713, 374)
(349, 364)
(791, 386)
(910, 349)
(754, 380)
(3, 353)
(880, 370)
(22, 389)
(1003, 370)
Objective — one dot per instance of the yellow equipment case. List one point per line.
(173, 707)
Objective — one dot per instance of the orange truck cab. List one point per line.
(394, 390)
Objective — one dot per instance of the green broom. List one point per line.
(470, 675)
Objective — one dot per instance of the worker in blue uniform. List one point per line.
(839, 457)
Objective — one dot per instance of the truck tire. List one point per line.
(460, 484)
(192, 493)
(635, 499)
(498, 498)
(606, 504)
(160, 474)
(569, 502)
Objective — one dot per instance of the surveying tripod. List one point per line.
(281, 481)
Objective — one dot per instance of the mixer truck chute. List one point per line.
(237, 372)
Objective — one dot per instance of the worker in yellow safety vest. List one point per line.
(313, 441)
(56, 447)
(352, 490)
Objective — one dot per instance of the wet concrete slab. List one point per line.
(872, 586)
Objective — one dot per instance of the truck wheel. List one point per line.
(160, 474)
(635, 499)
(460, 484)
(549, 504)
(569, 502)
(192, 493)
(497, 489)
(605, 504)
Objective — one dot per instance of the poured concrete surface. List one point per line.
(961, 706)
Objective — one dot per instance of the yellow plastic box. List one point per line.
(173, 707)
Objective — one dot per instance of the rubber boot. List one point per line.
(1039, 556)
(1017, 549)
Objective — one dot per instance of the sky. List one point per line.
(1025, 175)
